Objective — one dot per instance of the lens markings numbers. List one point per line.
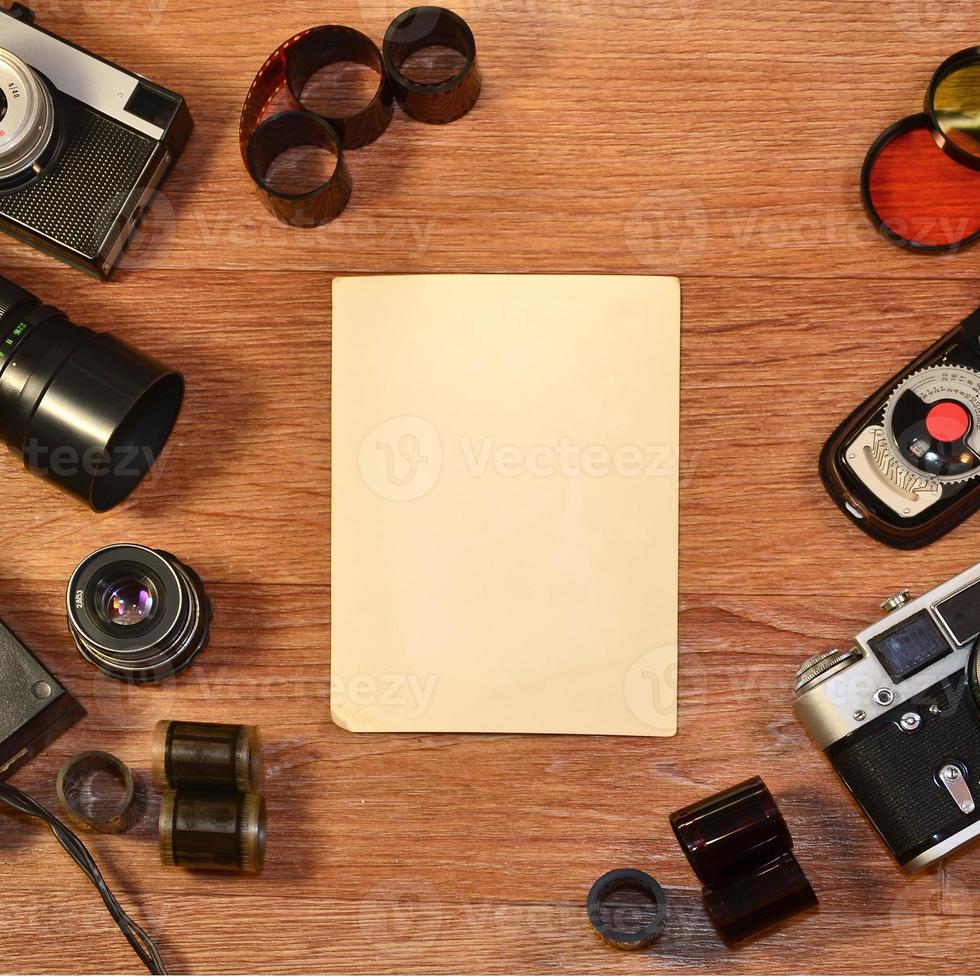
(13, 337)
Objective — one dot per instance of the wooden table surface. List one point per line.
(716, 141)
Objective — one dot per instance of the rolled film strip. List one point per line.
(281, 82)
(429, 27)
(275, 117)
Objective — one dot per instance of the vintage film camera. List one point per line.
(84, 145)
(897, 715)
(904, 465)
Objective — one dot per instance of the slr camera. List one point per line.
(897, 715)
(84, 145)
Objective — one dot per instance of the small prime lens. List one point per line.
(82, 409)
(137, 614)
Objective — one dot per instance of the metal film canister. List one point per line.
(212, 830)
(201, 755)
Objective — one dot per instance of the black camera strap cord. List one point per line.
(135, 936)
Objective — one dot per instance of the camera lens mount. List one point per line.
(137, 614)
(32, 135)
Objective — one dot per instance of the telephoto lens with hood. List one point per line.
(82, 409)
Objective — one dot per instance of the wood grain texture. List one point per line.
(720, 142)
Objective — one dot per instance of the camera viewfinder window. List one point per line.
(909, 647)
(961, 613)
(151, 104)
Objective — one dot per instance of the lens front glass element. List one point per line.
(126, 600)
(917, 193)
(956, 102)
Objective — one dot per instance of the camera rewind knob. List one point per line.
(819, 665)
(896, 601)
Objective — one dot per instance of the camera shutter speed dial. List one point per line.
(931, 423)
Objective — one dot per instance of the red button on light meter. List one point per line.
(947, 421)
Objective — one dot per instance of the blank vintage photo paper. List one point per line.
(505, 504)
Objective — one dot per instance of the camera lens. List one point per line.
(32, 137)
(126, 600)
(137, 614)
(83, 410)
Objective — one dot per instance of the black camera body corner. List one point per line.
(36, 709)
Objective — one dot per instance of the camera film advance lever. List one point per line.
(897, 716)
(904, 466)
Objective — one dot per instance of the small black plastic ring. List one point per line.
(428, 27)
(618, 880)
(281, 132)
(331, 45)
(920, 120)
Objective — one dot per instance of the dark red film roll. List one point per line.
(733, 831)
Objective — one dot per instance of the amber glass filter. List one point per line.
(953, 106)
(744, 907)
(733, 831)
(916, 195)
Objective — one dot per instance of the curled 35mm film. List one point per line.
(276, 117)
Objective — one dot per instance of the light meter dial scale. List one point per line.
(931, 423)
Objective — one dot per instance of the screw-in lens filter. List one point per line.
(916, 195)
(921, 177)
